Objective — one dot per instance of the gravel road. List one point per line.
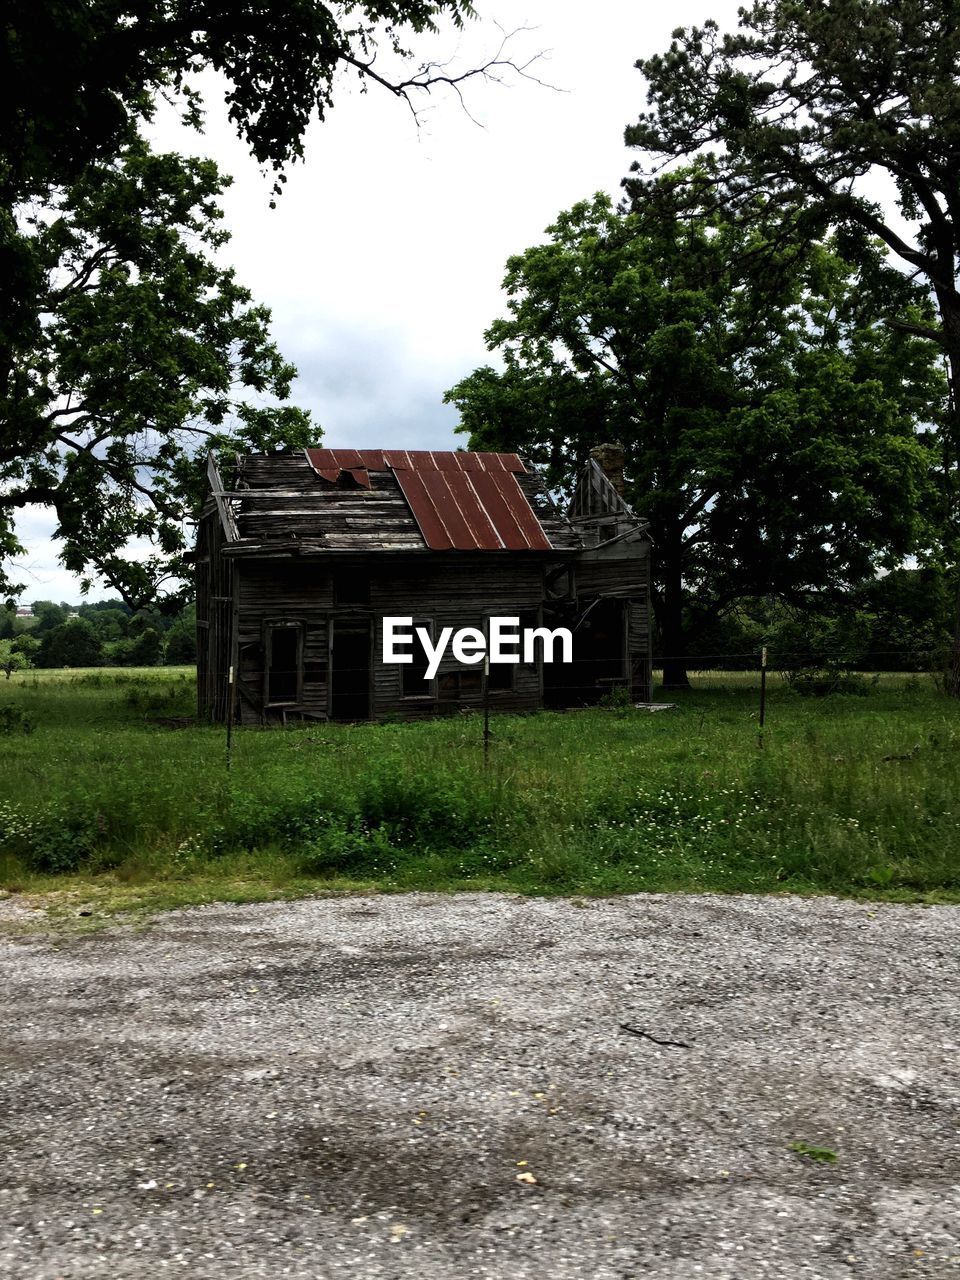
(439, 1087)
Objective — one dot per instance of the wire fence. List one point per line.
(255, 695)
(285, 692)
(789, 664)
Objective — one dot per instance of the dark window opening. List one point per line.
(350, 669)
(454, 685)
(415, 683)
(351, 588)
(500, 678)
(559, 583)
(599, 657)
(283, 665)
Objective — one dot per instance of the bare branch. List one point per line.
(433, 74)
(80, 280)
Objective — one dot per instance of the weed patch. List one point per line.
(15, 720)
(822, 1155)
(856, 795)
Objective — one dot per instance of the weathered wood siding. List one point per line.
(215, 580)
(462, 594)
(615, 577)
(640, 644)
(622, 571)
(284, 591)
(301, 591)
(429, 589)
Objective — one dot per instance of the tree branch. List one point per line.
(919, 330)
(432, 74)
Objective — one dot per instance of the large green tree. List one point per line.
(813, 101)
(149, 352)
(772, 426)
(78, 76)
(72, 644)
(83, 288)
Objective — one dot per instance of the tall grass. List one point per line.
(848, 795)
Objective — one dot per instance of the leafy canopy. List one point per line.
(816, 103)
(78, 75)
(149, 352)
(772, 424)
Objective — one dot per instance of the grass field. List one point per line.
(114, 800)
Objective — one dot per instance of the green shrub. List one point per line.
(819, 682)
(342, 849)
(389, 811)
(292, 822)
(616, 699)
(51, 842)
(431, 811)
(14, 720)
(149, 698)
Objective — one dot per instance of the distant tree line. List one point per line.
(107, 633)
(901, 621)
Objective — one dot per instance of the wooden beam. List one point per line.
(227, 520)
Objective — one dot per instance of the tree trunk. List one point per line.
(673, 638)
(953, 661)
(675, 674)
(950, 317)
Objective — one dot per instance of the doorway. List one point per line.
(599, 658)
(350, 647)
(283, 686)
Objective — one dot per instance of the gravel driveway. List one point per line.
(440, 1087)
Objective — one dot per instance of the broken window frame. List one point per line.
(269, 627)
(428, 688)
(507, 671)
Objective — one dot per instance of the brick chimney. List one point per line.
(610, 458)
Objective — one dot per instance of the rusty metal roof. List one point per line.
(460, 501)
(356, 463)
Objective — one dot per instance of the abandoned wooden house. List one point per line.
(301, 554)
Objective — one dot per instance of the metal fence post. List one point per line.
(763, 693)
(231, 712)
(486, 710)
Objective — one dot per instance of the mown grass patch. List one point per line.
(117, 794)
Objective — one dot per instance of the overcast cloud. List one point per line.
(383, 260)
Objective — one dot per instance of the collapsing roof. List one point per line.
(460, 501)
(396, 499)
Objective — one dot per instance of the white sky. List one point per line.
(383, 260)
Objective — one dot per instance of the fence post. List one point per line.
(486, 710)
(231, 712)
(763, 693)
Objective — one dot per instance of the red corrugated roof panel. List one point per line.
(508, 508)
(471, 510)
(461, 501)
(431, 526)
(332, 463)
